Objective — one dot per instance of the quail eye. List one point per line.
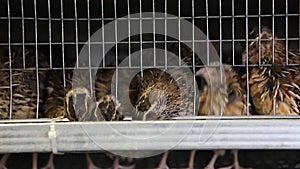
(254, 46)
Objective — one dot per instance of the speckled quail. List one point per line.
(21, 85)
(221, 94)
(75, 101)
(160, 94)
(274, 78)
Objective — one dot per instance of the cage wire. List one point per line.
(56, 31)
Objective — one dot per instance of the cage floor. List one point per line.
(256, 159)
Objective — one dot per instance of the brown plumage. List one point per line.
(216, 94)
(20, 77)
(272, 81)
(24, 94)
(106, 102)
(62, 100)
(159, 95)
(221, 94)
(163, 93)
(24, 84)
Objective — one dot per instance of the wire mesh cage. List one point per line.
(128, 50)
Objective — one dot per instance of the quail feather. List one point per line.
(274, 78)
(21, 85)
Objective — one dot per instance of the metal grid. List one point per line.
(60, 29)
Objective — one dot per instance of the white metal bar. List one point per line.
(149, 18)
(137, 42)
(228, 134)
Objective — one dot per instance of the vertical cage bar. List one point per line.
(220, 40)
(179, 35)
(141, 38)
(62, 41)
(129, 32)
(286, 33)
(166, 29)
(194, 66)
(23, 33)
(220, 33)
(154, 32)
(207, 31)
(193, 35)
(259, 32)
(10, 59)
(221, 49)
(247, 60)
(273, 49)
(76, 32)
(102, 28)
(89, 48)
(50, 34)
(36, 61)
(116, 45)
(273, 29)
(232, 32)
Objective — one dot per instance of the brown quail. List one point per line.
(75, 101)
(160, 94)
(221, 94)
(274, 78)
(21, 86)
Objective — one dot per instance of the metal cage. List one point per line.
(61, 30)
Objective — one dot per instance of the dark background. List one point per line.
(62, 25)
(256, 159)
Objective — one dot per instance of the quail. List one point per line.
(160, 94)
(21, 86)
(273, 75)
(73, 100)
(221, 94)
